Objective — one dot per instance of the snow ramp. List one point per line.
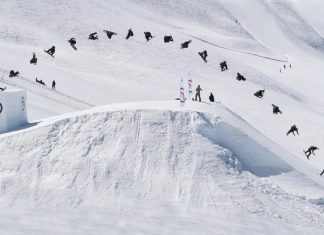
(160, 152)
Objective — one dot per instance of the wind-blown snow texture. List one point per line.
(156, 167)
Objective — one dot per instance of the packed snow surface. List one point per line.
(144, 165)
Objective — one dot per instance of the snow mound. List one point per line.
(145, 152)
(154, 155)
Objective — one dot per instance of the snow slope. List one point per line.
(256, 39)
(136, 154)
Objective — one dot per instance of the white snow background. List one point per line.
(111, 151)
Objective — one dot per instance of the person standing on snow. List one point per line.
(53, 84)
(198, 90)
(34, 59)
(211, 97)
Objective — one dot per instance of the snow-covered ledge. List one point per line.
(13, 109)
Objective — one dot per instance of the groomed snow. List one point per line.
(199, 157)
(143, 165)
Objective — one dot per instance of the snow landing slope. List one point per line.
(256, 40)
(160, 152)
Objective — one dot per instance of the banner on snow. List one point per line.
(182, 92)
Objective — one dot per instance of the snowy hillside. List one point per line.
(180, 169)
(137, 153)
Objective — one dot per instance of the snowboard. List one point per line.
(4, 89)
(74, 47)
(306, 154)
(49, 54)
(210, 103)
(201, 55)
(150, 39)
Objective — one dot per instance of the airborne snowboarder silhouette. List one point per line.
(2, 89)
(148, 36)
(72, 42)
(13, 73)
(110, 33)
(276, 109)
(292, 130)
(203, 55)
(93, 36)
(223, 66)
(34, 59)
(129, 34)
(185, 44)
(168, 39)
(51, 51)
(310, 151)
(240, 77)
(259, 93)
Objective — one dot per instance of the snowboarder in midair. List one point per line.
(310, 151)
(53, 84)
(3, 88)
(110, 33)
(293, 129)
(211, 97)
(198, 90)
(72, 42)
(148, 36)
(13, 73)
(259, 93)
(185, 44)
(168, 39)
(34, 59)
(240, 77)
(129, 34)
(51, 51)
(203, 55)
(93, 36)
(223, 66)
(276, 109)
